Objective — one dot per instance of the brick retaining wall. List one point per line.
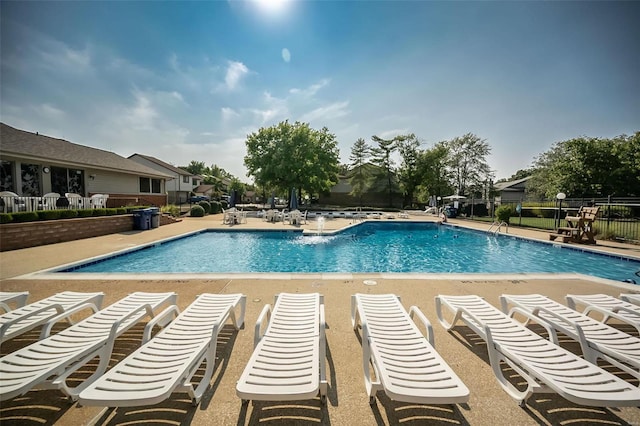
(15, 236)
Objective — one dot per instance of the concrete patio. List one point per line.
(347, 402)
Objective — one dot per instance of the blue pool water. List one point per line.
(369, 247)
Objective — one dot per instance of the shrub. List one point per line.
(6, 218)
(99, 212)
(121, 210)
(25, 216)
(504, 213)
(68, 214)
(111, 212)
(205, 205)
(49, 214)
(216, 207)
(197, 211)
(171, 209)
(85, 213)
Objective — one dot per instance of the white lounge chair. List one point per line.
(49, 310)
(545, 366)
(607, 306)
(167, 363)
(405, 363)
(13, 300)
(631, 298)
(597, 340)
(288, 360)
(49, 362)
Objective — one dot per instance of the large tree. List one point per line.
(467, 161)
(435, 178)
(589, 167)
(360, 179)
(286, 156)
(382, 158)
(409, 174)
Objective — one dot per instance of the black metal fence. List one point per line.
(617, 219)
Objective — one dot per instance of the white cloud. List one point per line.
(389, 134)
(286, 55)
(311, 90)
(235, 72)
(228, 114)
(334, 110)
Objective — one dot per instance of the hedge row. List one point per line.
(20, 217)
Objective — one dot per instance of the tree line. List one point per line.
(294, 155)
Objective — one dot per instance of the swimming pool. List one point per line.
(371, 247)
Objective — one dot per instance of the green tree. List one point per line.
(409, 175)
(360, 180)
(432, 164)
(589, 167)
(286, 156)
(382, 158)
(467, 161)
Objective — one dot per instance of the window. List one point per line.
(145, 185)
(6, 176)
(67, 180)
(150, 185)
(185, 179)
(30, 174)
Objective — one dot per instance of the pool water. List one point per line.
(403, 247)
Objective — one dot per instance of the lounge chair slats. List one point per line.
(52, 360)
(405, 364)
(167, 363)
(23, 319)
(545, 366)
(608, 306)
(597, 340)
(287, 363)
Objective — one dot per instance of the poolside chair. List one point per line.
(168, 362)
(631, 298)
(49, 362)
(15, 299)
(405, 364)
(49, 310)
(99, 201)
(608, 306)
(545, 366)
(288, 360)
(597, 340)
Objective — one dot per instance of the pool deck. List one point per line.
(347, 402)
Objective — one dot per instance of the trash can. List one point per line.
(141, 219)
(155, 217)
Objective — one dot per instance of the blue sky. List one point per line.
(186, 81)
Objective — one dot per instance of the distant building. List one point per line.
(512, 191)
(182, 183)
(376, 196)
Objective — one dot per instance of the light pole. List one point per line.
(561, 196)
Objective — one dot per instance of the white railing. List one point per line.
(13, 204)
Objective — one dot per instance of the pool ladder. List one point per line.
(498, 226)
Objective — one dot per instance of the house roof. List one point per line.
(501, 186)
(28, 145)
(201, 189)
(167, 166)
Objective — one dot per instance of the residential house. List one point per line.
(33, 165)
(182, 183)
(512, 191)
